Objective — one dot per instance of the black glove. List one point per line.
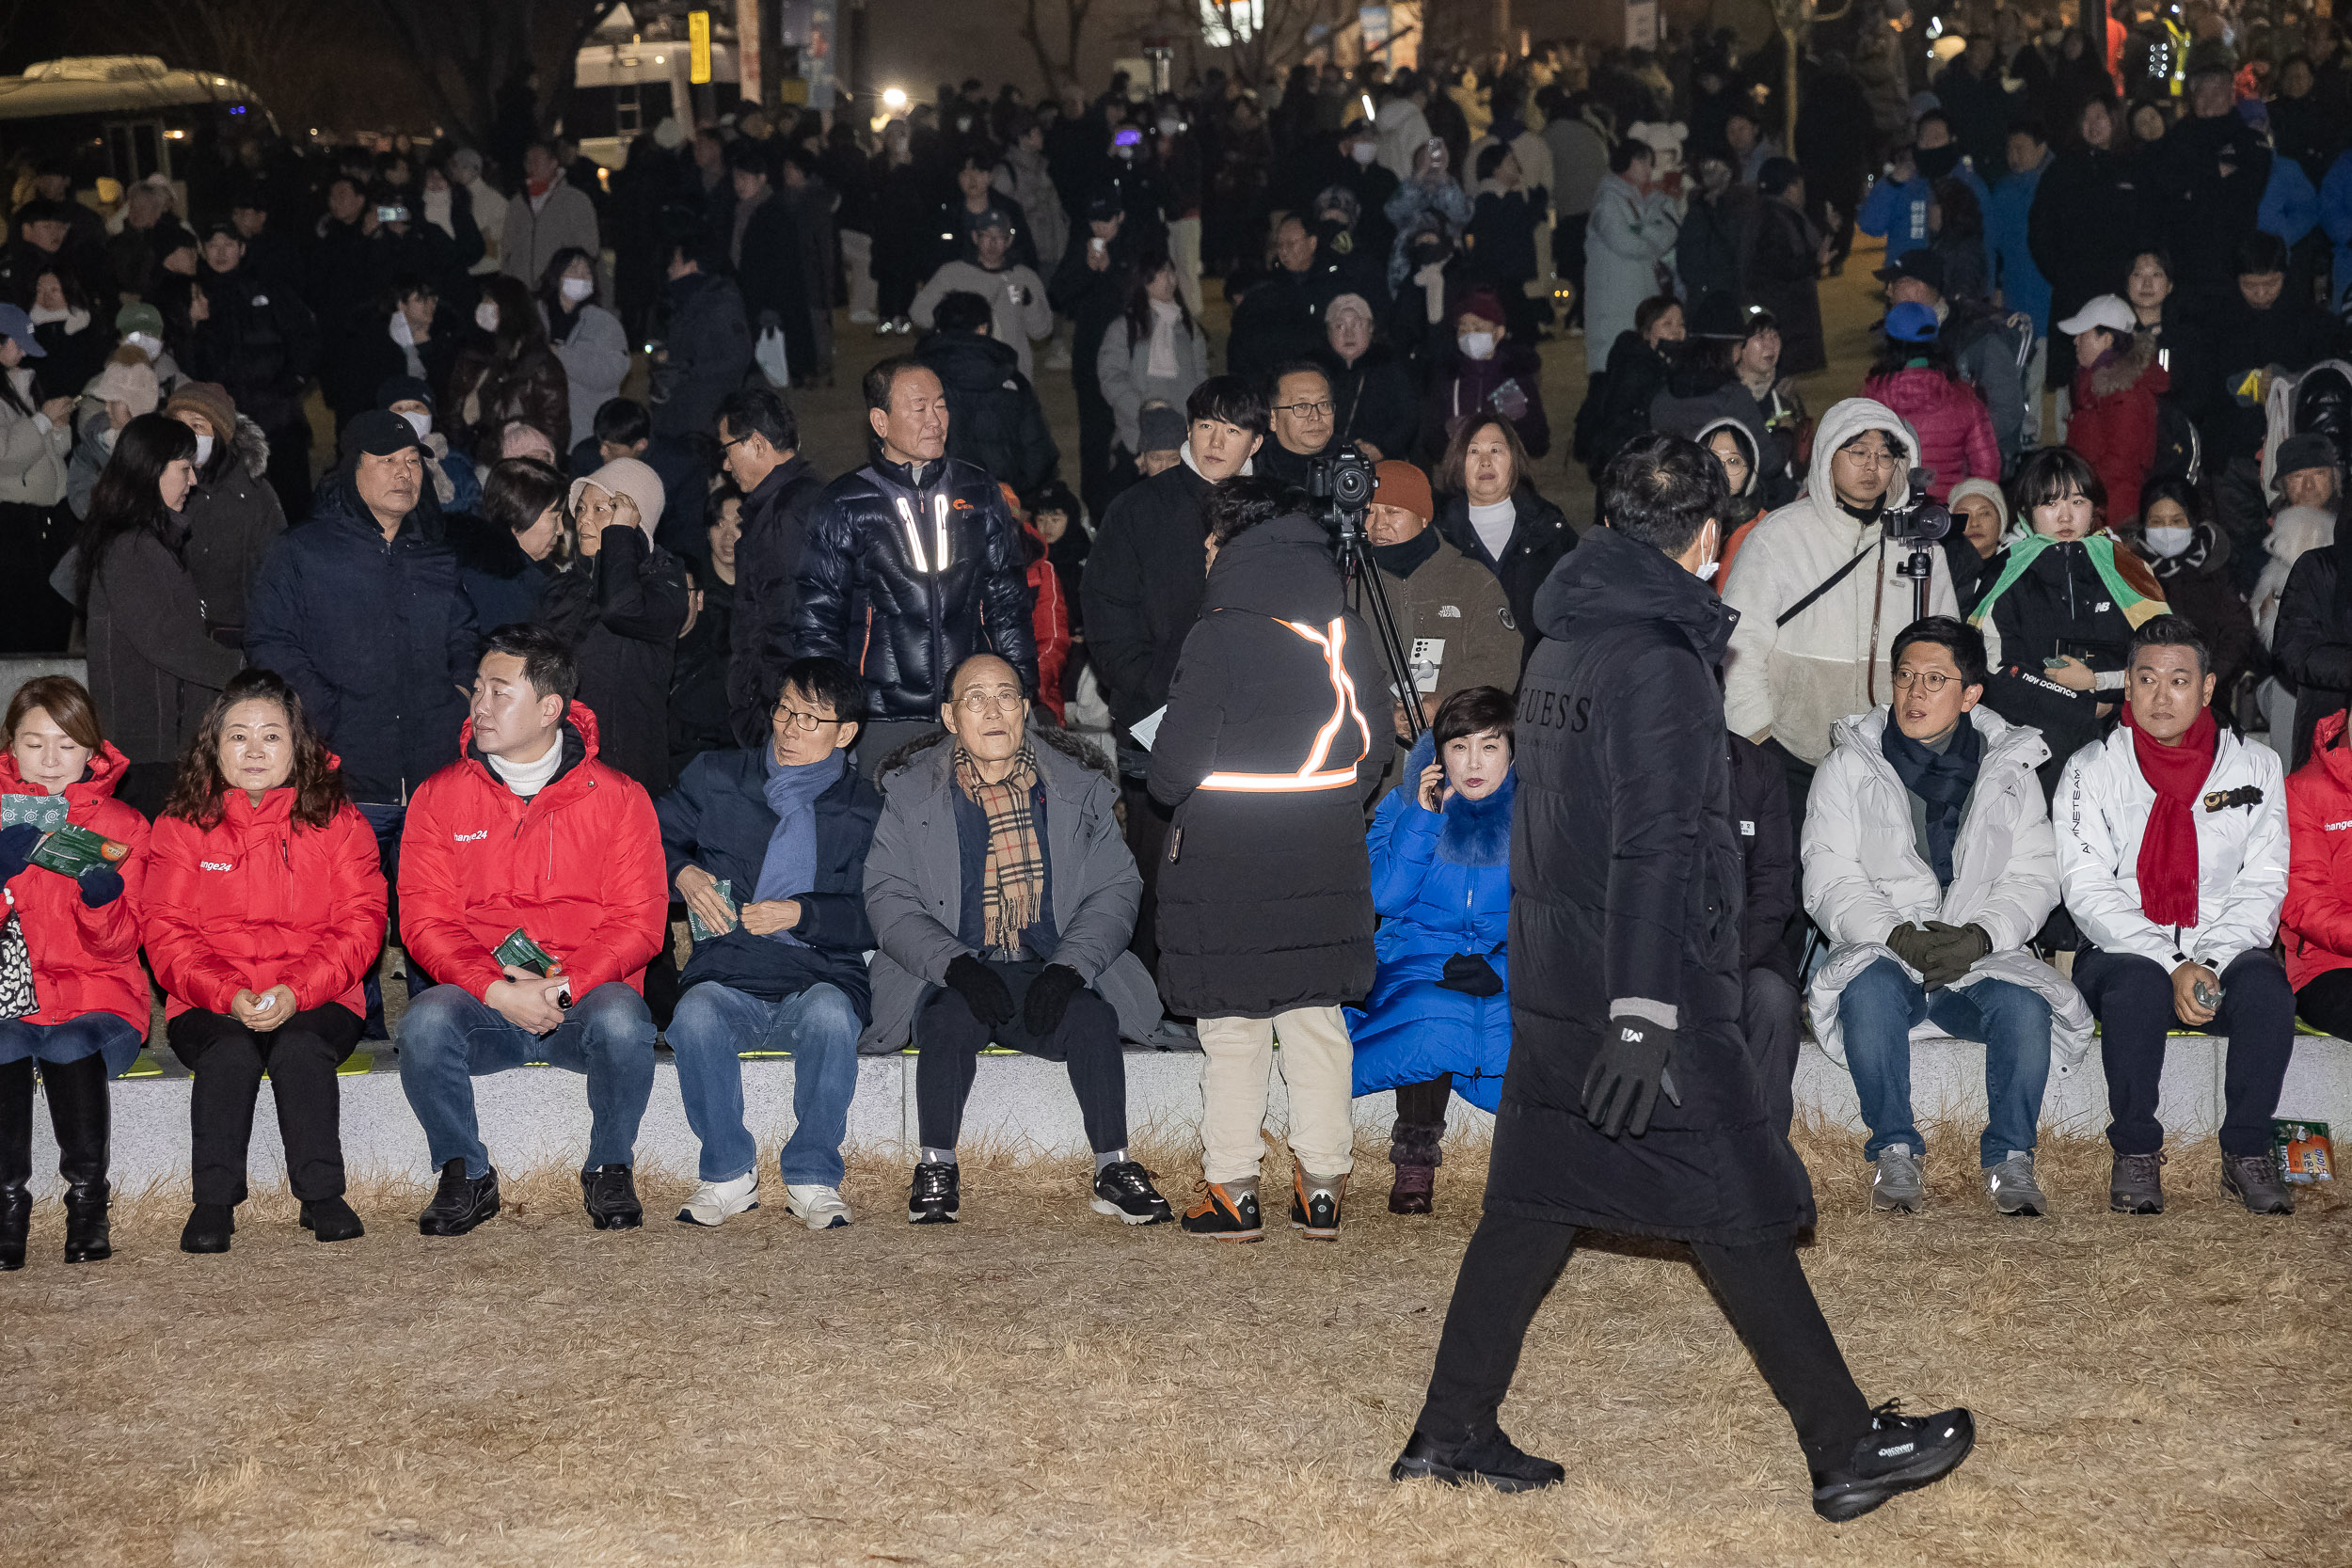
(982, 990)
(16, 849)
(1912, 943)
(1049, 998)
(1627, 1073)
(101, 886)
(1950, 950)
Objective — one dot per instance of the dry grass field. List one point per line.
(1041, 1385)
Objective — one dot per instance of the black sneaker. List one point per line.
(935, 1196)
(1492, 1460)
(1225, 1214)
(462, 1203)
(1316, 1205)
(610, 1197)
(2136, 1184)
(1901, 1453)
(1124, 1191)
(2254, 1181)
(330, 1219)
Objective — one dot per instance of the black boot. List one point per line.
(16, 1161)
(209, 1228)
(78, 1109)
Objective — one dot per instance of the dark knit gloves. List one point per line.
(983, 989)
(101, 886)
(1627, 1074)
(16, 849)
(1049, 998)
(1941, 953)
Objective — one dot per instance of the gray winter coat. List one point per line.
(567, 217)
(915, 891)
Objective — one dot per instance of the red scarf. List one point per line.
(2168, 851)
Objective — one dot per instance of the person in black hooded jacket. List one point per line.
(1630, 1105)
(1616, 409)
(995, 420)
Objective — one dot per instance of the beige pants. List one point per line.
(1184, 251)
(857, 258)
(1318, 1065)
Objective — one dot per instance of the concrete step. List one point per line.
(539, 1115)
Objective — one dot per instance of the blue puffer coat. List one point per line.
(1443, 885)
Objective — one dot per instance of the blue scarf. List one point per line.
(1478, 832)
(1941, 779)
(789, 867)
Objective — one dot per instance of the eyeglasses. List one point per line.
(1325, 409)
(793, 719)
(1004, 699)
(1880, 459)
(1929, 681)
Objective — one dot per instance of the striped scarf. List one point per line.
(1012, 878)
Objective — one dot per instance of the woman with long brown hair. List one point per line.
(507, 373)
(264, 911)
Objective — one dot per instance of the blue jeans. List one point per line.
(72, 1041)
(819, 1026)
(451, 1036)
(384, 819)
(1879, 1009)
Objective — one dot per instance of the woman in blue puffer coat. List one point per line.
(1439, 1018)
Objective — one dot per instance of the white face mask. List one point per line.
(1713, 563)
(485, 316)
(106, 439)
(578, 288)
(1478, 345)
(146, 343)
(1170, 125)
(2170, 541)
(203, 451)
(423, 422)
(1365, 152)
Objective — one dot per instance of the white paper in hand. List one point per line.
(1146, 727)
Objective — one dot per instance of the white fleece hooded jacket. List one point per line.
(1793, 681)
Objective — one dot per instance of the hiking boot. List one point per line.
(209, 1228)
(2014, 1190)
(2254, 1180)
(1492, 1460)
(936, 1195)
(1225, 1214)
(1409, 1191)
(462, 1203)
(610, 1195)
(714, 1201)
(1896, 1186)
(815, 1205)
(16, 1224)
(1900, 1453)
(1123, 1190)
(330, 1219)
(1315, 1204)
(2136, 1184)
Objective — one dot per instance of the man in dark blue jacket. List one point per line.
(768, 847)
(912, 566)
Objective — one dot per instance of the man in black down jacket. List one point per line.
(261, 345)
(912, 566)
(994, 421)
(759, 444)
(1277, 733)
(1628, 926)
(1142, 593)
(705, 343)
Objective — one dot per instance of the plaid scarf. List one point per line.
(1012, 878)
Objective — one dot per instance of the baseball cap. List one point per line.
(18, 328)
(1912, 323)
(989, 217)
(139, 317)
(1921, 266)
(379, 433)
(2105, 310)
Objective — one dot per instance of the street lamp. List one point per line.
(894, 99)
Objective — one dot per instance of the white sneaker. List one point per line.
(819, 1208)
(713, 1201)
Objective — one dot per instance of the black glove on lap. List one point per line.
(983, 989)
(1049, 998)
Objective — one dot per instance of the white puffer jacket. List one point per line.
(1864, 876)
(1798, 680)
(2103, 805)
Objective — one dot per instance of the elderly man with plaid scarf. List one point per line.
(1002, 897)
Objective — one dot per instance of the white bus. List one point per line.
(123, 117)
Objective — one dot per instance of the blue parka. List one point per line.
(1441, 883)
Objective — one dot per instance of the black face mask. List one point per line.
(1937, 162)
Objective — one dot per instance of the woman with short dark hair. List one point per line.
(1493, 513)
(521, 541)
(263, 912)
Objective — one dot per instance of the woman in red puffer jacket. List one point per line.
(2113, 423)
(264, 908)
(2315, 924)
(82, 934)
(1915, 376)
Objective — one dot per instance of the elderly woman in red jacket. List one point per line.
(2117, 382)
(82, 934)
(265, 909)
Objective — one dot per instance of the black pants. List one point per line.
(301, 1054)
(1567, 258)
(2132, 998)
(948, 1041)
(1769, 1016)
(1147, 840)
(1421, 1122)
(1510, 1268)
(2326, 1003)
(1798, 773)
(1097, 428)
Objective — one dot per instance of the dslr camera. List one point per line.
(1918, 526)
(1341, 486)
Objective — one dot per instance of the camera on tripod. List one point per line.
(1341, 483)
(1921, 524)
(1341, 486)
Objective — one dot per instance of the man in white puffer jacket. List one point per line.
(2172, 850)
(1930, 862)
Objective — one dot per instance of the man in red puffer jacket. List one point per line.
(2316, 924)
(527, 833)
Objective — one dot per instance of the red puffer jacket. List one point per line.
(578, 865)
(85, 960)
(1956, 439)
(2114, 424)
(259, 900)
(2316, 924)
(1050, 619)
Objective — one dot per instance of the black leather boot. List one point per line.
(79, 1110)
(16, 1161)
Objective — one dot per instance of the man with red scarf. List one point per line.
(2172, 852)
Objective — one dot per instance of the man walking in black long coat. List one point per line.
(1624, 850)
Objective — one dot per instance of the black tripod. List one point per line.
(1368, 595)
